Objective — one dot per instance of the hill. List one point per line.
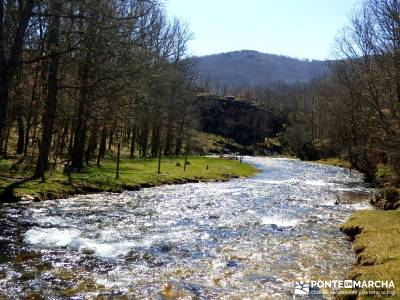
(248, 68)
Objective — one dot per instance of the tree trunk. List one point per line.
(6, 144)
(92, 144)
(144, 139)
(186, 157)
(78, 147)
(159, 160)
(179, 139)
(18, 110)
(30, 112)
(111, 138)
(155, 140)
(102, 148)
(52, 90)
(64, 136)
(169, 138)
(21, 135)
(133, 141)
(7, 68)
(118, 157)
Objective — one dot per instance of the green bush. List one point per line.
(391, 194)
(309, 152)
(385, 172)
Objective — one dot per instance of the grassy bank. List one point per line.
(333, 161)
(376, 242)
(134, 174)
(375, 234)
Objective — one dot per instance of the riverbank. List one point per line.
(375, 235)
(333, 161)
(134, 174)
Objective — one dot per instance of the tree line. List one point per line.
(78, 77)
(354, 111)
(357, 108)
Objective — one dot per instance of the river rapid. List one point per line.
(246, 238)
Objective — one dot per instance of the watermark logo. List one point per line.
(345, 287)
(302, 288)
(348, 284)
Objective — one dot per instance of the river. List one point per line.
(246, 238)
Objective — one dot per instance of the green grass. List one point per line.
(333, 161)
(134, 174)
(376, 242)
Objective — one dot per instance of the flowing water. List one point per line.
(246, 238)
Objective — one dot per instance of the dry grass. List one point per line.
(377, 245)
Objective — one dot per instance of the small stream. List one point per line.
(246, 238)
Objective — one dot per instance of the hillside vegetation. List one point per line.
(247, 68)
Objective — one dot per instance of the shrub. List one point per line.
(385, 172)
(309, 152)
(391, 194)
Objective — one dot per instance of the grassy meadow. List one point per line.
(133, 174)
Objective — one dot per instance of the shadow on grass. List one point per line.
(8, 194)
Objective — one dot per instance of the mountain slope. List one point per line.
(248, 68)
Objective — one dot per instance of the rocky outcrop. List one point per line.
(240, 120)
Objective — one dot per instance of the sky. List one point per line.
(296, 28)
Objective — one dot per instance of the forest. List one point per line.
(357, 109)
(80, 77)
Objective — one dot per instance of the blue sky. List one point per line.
(297, 28)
